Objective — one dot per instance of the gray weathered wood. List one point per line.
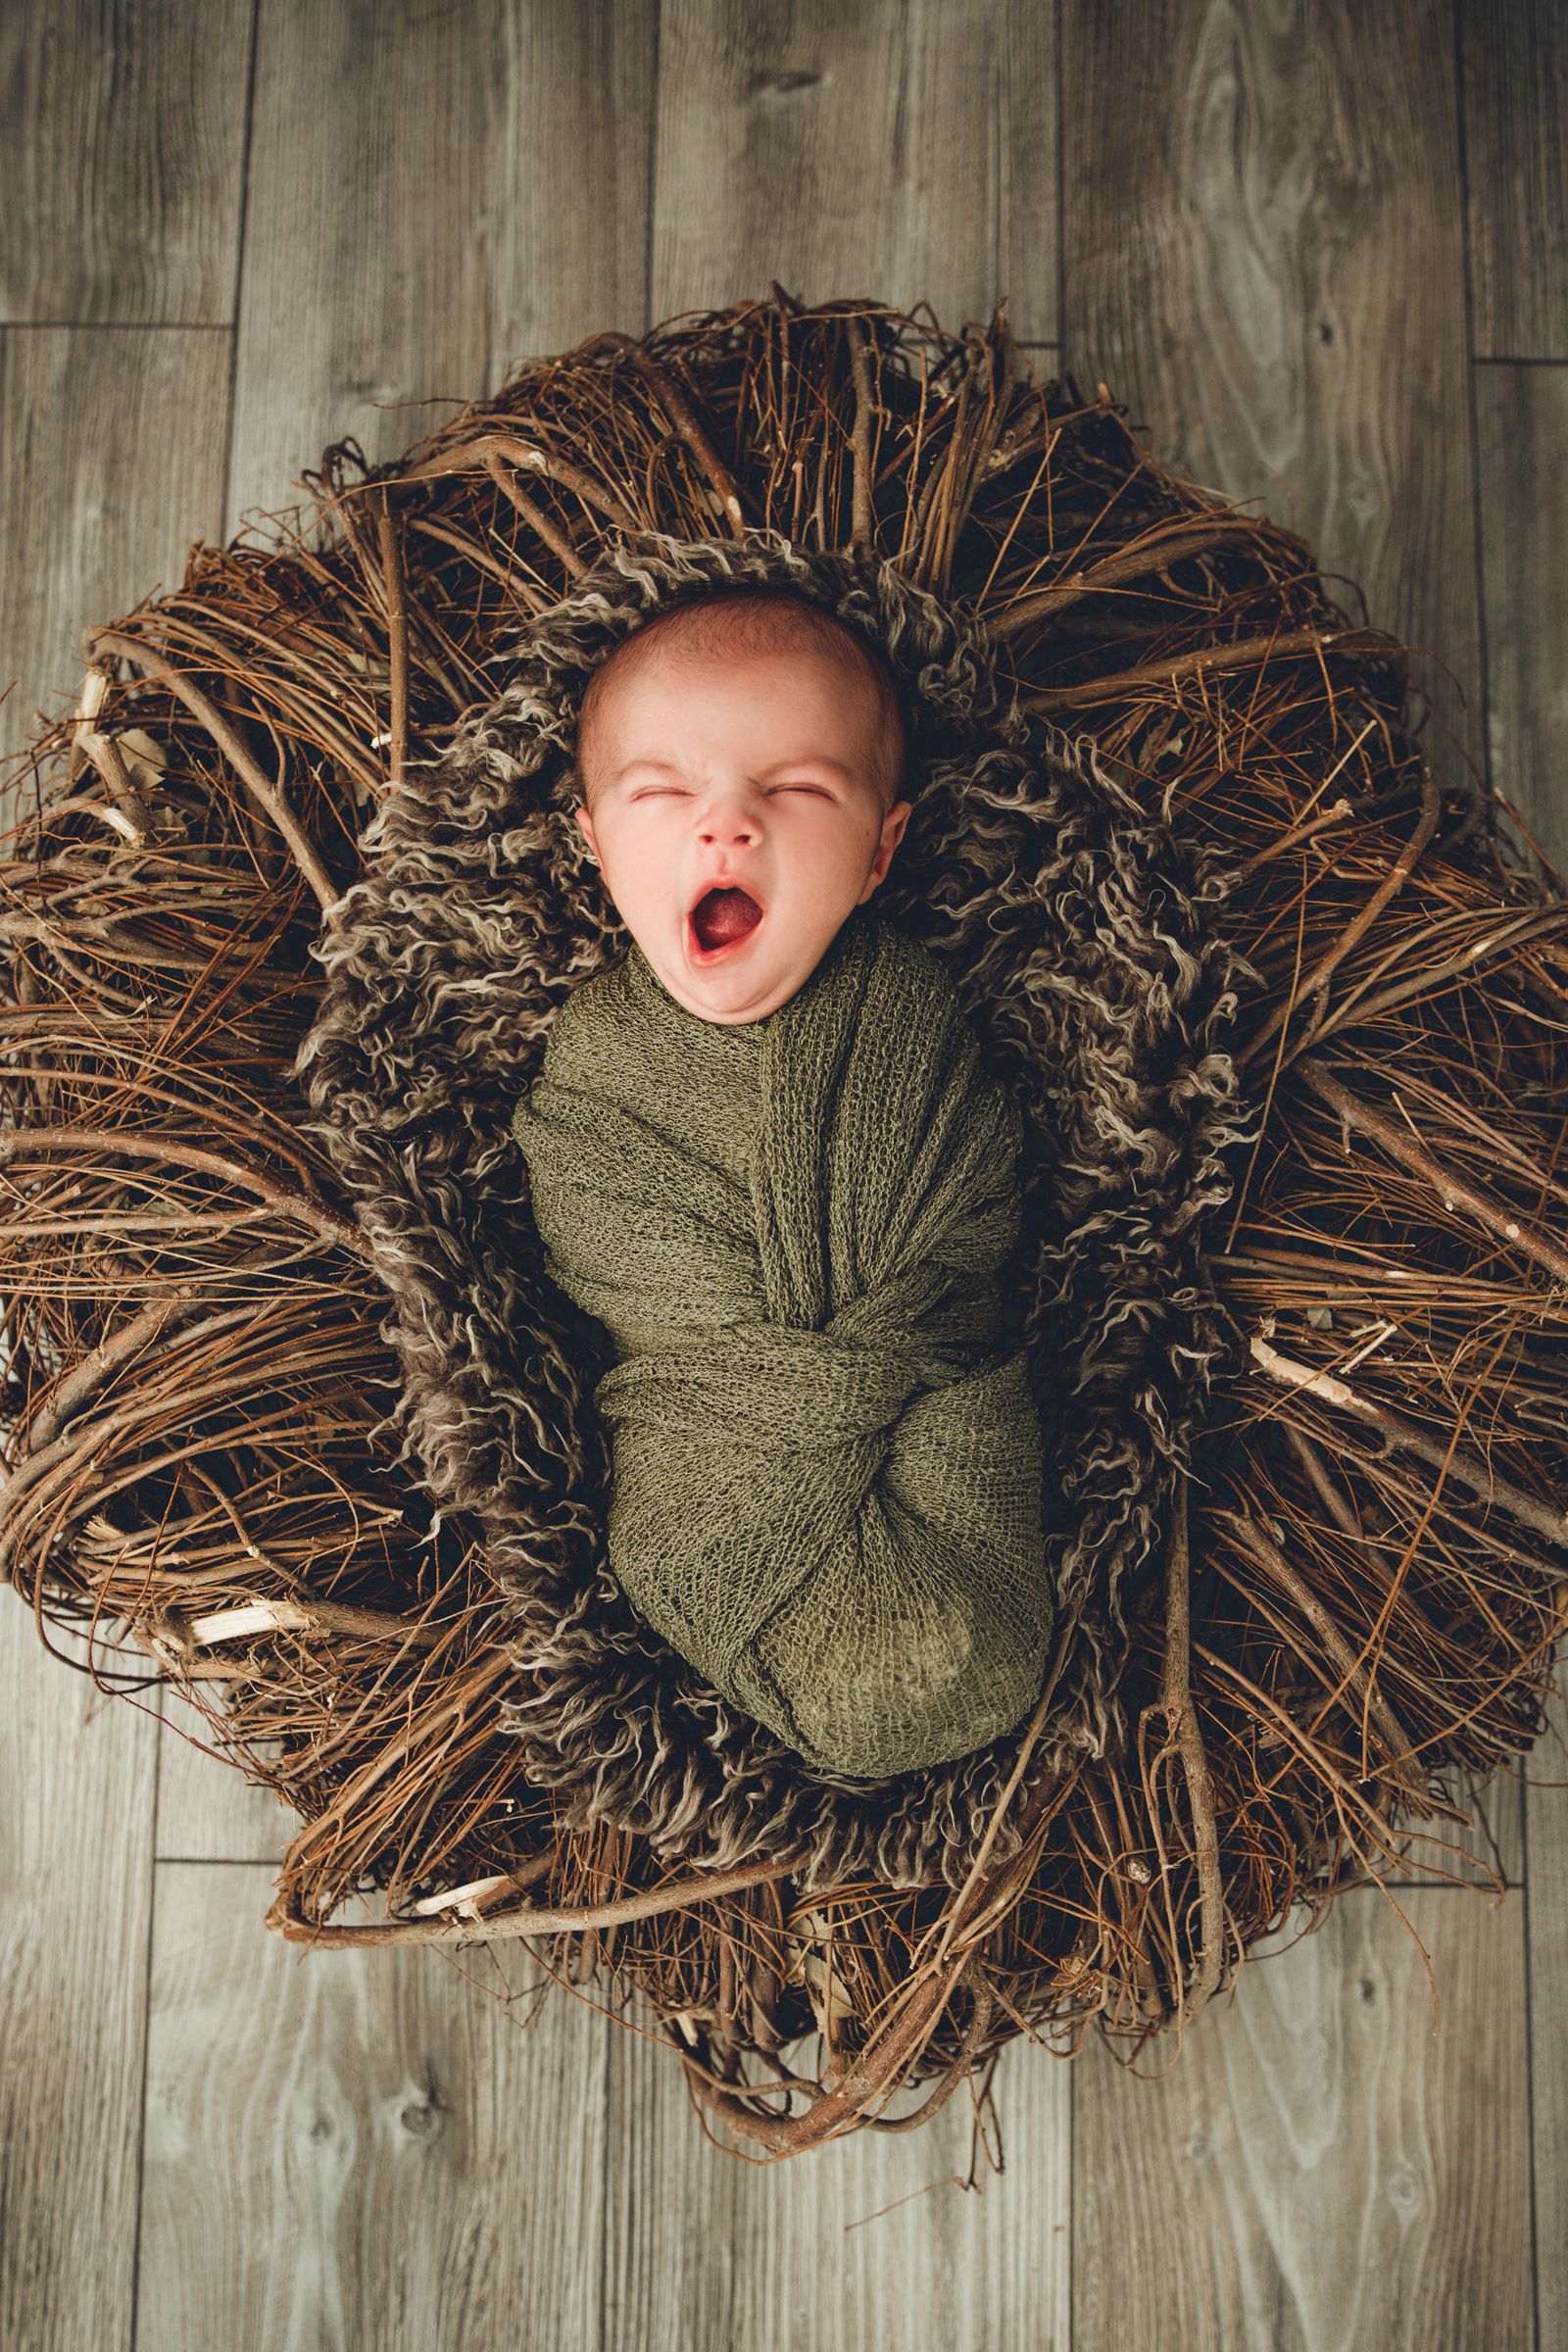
(1515, 64)
(360, 2148)
(1264, 257)
(903, 150)
(434, 195)
(1522, 419)
(1319, 2170)
(111, 463)
(872, 2241)
(76, 1767)
(121, 154)
(1547, 1818)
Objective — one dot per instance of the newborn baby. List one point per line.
(763, 1153)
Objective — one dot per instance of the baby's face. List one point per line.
(760, 769)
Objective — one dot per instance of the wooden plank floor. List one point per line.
(1323, 255)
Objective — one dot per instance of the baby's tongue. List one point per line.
(725, 915)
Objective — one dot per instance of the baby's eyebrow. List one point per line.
(660, 767)
(663, 767)
(808, 760)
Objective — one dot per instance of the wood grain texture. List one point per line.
(904, 150)
(872, 2241)
(436, 194)
(111, 463)
(1547, 1821)
(1522, 432)
(1515, 65)
(359, 2149)
(1271, 274)
(76, 1767)
(122, 155)
(1320, 2171)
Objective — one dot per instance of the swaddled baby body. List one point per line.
(764, 1152)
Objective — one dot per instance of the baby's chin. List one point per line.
(743, 980)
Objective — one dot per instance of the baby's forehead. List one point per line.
(675, 658)
(799, 641)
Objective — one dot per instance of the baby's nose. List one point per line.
(737, 825)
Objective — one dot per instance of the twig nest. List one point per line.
(1282, 1010)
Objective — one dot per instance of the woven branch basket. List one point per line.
(1284, 1006)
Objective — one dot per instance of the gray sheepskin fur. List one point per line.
(1085, 942)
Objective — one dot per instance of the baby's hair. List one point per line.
(752, 621)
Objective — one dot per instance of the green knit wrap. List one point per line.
(826, 1490)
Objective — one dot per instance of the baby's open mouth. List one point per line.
(721, 918)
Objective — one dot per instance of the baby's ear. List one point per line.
(893, 824)
(587, 824)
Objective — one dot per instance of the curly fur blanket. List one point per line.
(826, 1478)
(1078, 931)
